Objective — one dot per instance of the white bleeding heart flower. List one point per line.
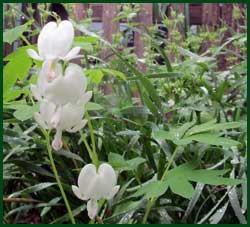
(170, 103)
(70, 88)
(54, 43)
(94, 185)
(45, 78)
(68, 117)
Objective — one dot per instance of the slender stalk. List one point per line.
(25, 40)
(91, 154)
(46, 134)
(151, 202)
(169, 164)
(92, 138)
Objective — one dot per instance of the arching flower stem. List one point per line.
(47, 137)
(92, 136)
(91, 154)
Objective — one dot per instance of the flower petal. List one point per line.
(63, 38)
(46, 39)
(56, 118)
(33, 54)
(113, 192)
(78, 127)
(68, 88)
(73, 53)
(106, 171)
(86, 176)
(71, 116)
(57, 142)
(92, 207)
(47, 110)
(86, 97)
(40, 120)
(106, 180)
(77, 192)
(35, 92)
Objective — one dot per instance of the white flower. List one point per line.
(68, 117)
(93, 186)
(54, 42)
(204, 90)
(69, 88)
(171, 103)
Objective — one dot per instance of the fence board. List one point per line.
(146, 17)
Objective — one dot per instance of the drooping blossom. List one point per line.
(54, 43)
(68, 117)
(63, 89)
(94, 185)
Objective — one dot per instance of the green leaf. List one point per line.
(32, 167)
(135, 162)
(14, 93)
(115, 73)
(25, 112)
(86, 39)
(118, 162)
(152, 107)
(163, 135)
(174, 134)
(152, 189)
(208, 138)
(51, 203)
(93, 106)
(68, 154)
(10, 35)
(212, 126)
(17, 68)
(87, 47)
(95, 75)
(182, 187)
(180, 136)
(125, 207)
(32, 189)
(66, 216)
(179, 178)
(211, 177)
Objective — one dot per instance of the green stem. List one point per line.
(152, 200)
(46, 134)
(92, 138)
(91, 154)
(169, 164)
(25, 40)
(150, 203)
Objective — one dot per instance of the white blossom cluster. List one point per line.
(61, 93)
(62, 96)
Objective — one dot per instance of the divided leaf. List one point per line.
(179, 178)
(119, 163)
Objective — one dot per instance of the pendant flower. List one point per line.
(93, 185)
(68, 117)
(54, 43)
(70, 88)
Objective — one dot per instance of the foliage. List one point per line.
(203, 182)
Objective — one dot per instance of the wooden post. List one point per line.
(179, 9)
(110, 11)
(210, 15)
(80, 12)
(146, 18)
(226, 16)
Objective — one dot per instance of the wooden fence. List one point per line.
(210, 14)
